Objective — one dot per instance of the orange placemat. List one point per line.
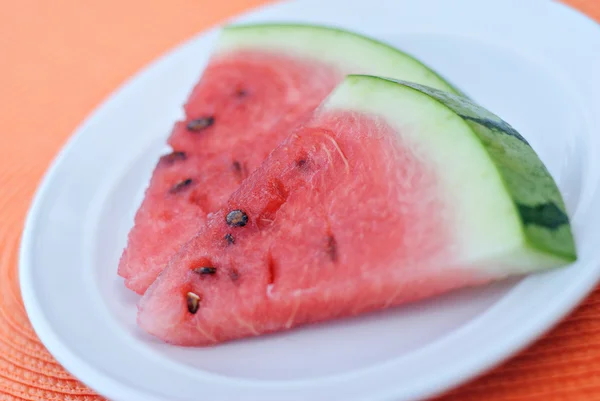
(58, 60)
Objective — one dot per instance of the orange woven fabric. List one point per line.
(58, 60)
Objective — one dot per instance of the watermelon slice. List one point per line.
(390, 193)
(261, 81)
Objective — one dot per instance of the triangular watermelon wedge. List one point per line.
(261, 81)
(391, 193)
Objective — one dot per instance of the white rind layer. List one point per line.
(351, 53)
(487, 231)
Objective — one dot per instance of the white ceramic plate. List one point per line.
(535, 62)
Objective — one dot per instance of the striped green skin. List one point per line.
(534, 192)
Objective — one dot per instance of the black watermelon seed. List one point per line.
(332, 248)
(234, 275)
(241, 93)
(302, 164)
(180, 186)
(229, 238)
(237, 218)
(173, 157)
(200, 123)
(205, 270)
(236, 166)
(193, 302)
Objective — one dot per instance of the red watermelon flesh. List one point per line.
(341, 220)
(242, 107)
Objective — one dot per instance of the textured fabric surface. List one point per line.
(58, 60)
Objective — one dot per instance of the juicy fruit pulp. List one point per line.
(262, 81)
(321, 239)
(246, 98)
(358, 209)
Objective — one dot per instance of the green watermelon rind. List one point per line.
(536, 195)
(537, 203)
(306, 40)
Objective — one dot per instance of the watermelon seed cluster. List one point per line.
(200, 123)
(236, 218)
(193, 302)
